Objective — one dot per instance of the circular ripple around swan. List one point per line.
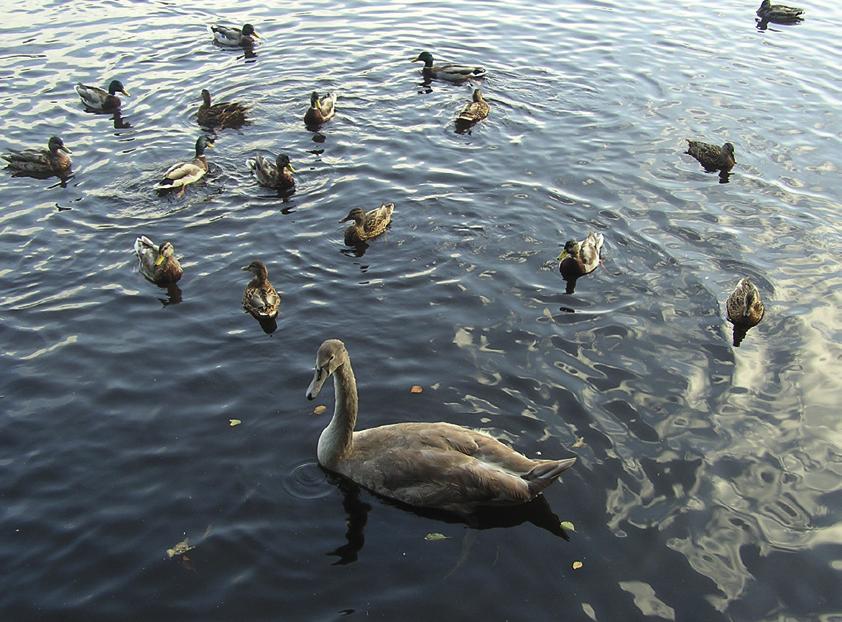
(307, 481)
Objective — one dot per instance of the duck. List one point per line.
(222, 115)
(580, 258)
(185, 173)
(429, 465)
(234, 37)
(99, 99)
(744, 308)
(277, 174)
(260, 298)
(321, 110)
(474, 111)
(779, 13)
(157, 263)
(54, 160)
(711, 157)
(452, 72)
(367, 225)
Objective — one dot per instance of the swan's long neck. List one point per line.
(336, 439)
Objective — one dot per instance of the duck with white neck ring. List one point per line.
(431, 465)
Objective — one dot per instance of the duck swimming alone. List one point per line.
(711, 157)
(232, 36)
(222, 115)
(580, 258)
(321, 110)
(744, 308)
(185, 173)
(157, 263)
(431, 465)
(779, 13)
(367, 225)
(474, 111)
(277, 174)
(260, 298)
(452, 72)
(99, 99)
(54, 160)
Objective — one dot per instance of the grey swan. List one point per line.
(429, 465)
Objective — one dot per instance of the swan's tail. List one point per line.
(546, 472)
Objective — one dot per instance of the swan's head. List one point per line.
(331, 355)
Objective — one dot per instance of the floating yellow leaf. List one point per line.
(416, 388)
(318, 410)
(179, 549)
(433, 537)
(577, 564)
(234, 422)
(567, 525)
(580, 442)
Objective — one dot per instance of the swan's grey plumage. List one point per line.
(432, 465)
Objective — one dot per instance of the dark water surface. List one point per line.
(708, 487)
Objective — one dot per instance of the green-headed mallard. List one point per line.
(321, 110)
(711, 157)
(222, 115)
(158, 264)
(233, 36)
(185, 173)
(744, 308)
(433, 465)
(50, 161)
(99, 99)
(579, 258)
(779, 13)
(474, 111)
(448, 71)
(277, 174)
(260, 298)
(367, 225)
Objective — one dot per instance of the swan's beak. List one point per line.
(316, 385)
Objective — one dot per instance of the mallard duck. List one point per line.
(185, 173)
(431, 465)
(225, 114)
(448, 71)
(260, 298)
(321, 110)
(711, 157)
(234, 37)
(474, 111)
(277, 174)
(779, 13)
(99, 99)
(579, 258)
(158, 264)
(367, 225)
(744, 308)
(50, 161)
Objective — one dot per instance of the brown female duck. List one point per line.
(367, 225)
(54, 160)
(711, 157)
(260, 298)
(475, 110)
(744, 308)
(222, 115)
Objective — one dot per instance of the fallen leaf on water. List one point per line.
(318, 410)
(580, 442)
(179, 549)
(577, 564)
(234, 422)
(567, 525)
(433, 537)
(416, 388)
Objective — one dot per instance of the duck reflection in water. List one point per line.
(173, 295)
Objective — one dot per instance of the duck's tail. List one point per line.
(546, 472)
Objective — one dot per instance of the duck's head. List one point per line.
(766, 5)
(57, 144)
(426, 57)
(356, 214)
(314, 99)
(117, 87)
(203, 143)
(477, 95)
(248, 31)
(571, 249)
(331, 355)
(206, 98)
(165, 251)
(258, 269)
(728, 149)
(282, 162)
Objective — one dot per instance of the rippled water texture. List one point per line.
(708, 480)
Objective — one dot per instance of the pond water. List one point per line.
(707, 485)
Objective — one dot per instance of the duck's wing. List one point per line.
(181, 174)
(473, 112)
(226, 35)
(707, 154)
(327, 105)
(36, 157)
(589, 250)
(92, 96)
(378, 219)
(264, 170)
(457, 72)
(146, 251)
